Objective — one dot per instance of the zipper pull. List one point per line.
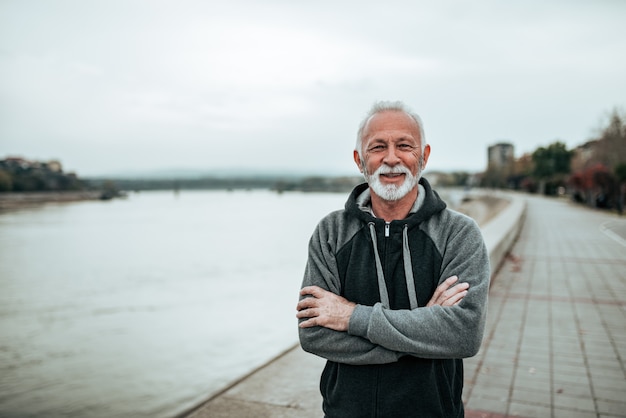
(387, 229)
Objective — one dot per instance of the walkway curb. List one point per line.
(501, 232)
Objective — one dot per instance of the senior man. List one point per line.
(395, 288)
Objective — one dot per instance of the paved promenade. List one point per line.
(555, 342)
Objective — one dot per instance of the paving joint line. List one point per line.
(582, 345)
(564, 299)
(577, 260)
(551, 343)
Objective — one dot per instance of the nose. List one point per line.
(391, 157)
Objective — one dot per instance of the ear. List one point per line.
(426, 155)
(357, 160)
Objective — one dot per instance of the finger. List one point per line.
(438, 292)
(307, 303)
(307, 313)
(451, 280)
(463, 285)
(448, 282)
(454, 290)
(315, 291)
(445, 285)
(312, 322)
(456, 299)
(444, 291)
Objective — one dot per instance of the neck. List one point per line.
(391, 210)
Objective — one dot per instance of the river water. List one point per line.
(146, 306)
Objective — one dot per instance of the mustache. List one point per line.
(398, 169)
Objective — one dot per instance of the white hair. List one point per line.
(388, 106)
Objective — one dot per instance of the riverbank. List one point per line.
(17, 201)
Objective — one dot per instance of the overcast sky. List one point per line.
(130, 85)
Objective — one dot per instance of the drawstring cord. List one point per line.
(382, 286)
(408, 268)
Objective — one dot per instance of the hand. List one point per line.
(324, 308)
(448, 295)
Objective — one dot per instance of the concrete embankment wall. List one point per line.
(502, 230)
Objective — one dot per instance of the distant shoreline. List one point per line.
(481, 207)
(15, 201)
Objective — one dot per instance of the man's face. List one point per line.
(392, 156)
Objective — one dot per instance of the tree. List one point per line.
(596, 185)
(610, 147)
(600, 166)
(522, 172)
(620, 174)
(6, 183)
(551, 166)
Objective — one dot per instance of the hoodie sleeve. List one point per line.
(437, 332)
(341, 347)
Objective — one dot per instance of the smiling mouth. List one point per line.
(392, 175)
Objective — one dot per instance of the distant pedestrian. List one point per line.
(395, 288)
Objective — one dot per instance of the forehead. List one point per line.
(391, 125)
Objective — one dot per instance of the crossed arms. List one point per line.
(326, 309)
(450, 326)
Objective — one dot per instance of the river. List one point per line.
(146, 306)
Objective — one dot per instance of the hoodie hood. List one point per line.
(431, 205)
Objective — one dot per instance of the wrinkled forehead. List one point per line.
(391, 122)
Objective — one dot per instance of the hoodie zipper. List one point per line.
(386, 229)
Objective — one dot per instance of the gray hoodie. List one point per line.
(399, 357)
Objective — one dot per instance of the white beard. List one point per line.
(391, 192)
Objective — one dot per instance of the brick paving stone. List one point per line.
(609, 408)
(564, 413)
(578, 403)
(494, 405)
(528, 410)
(530, 395)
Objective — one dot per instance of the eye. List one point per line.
(405, 147)
(377, 148)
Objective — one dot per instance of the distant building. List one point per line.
(500, 155)
(55, 166)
